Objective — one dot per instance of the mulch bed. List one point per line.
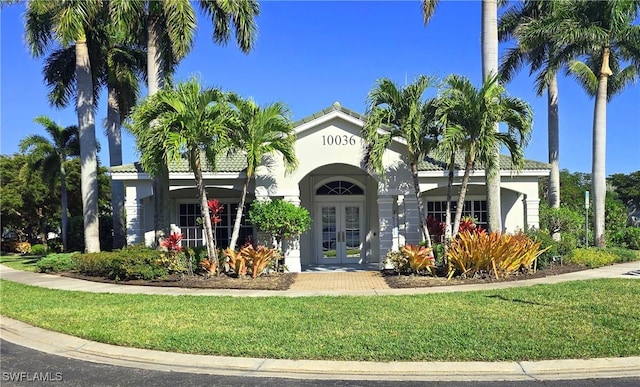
(282, 281)
(416, 281)
(279, 281)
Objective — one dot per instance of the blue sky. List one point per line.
(310, 54)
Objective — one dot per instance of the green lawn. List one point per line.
(582, 319)
(20, 262)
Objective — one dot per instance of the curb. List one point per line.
(55, 343)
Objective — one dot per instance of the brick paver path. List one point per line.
(363, 280)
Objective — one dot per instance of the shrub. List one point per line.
(16, 247)
(628, 237)
(55, 263)
(436, 228)
(553, 250)
(563, 219)
(624, 255)
(397, 260)
(134, 262)
(592, 257)
(38, 250)
(474, 253)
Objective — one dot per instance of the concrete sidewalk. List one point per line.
(72, 347)
(366, 283)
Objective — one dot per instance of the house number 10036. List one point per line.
(339, 139)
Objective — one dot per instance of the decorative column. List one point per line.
(413, 233)
(388, 227)
(134, 214)
(292, 245)
(532, 207)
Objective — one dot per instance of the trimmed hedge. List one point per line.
(134, 262)
(55, 263)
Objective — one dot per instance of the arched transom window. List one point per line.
(339, 187)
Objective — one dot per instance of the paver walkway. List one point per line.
(362, 280)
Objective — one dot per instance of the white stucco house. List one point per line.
(357, 217)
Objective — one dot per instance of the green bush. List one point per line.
(55, 263)
(624, 255)
(592, 257)
(556, 250)
(628, 237)
(134, 262)
(563, 219)
(38, 250)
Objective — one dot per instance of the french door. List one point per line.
(339, 232)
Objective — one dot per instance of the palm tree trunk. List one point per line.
(554, 147)
(88, 157)
(206, 218)
(598, 178)
(463, 193)
(155, 82)
(416, 186)
(238, 221)
(447, 215)
(489, 68)
(64, 220)
(114, 136)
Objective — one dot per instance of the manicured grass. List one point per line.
(20, 262)
(582, 319)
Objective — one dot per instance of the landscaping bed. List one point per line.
(400, 281)
(279, 281)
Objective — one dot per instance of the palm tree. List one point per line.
(170, 27)
(604, 29)
(185, 119)
(52, 156)
(118, 63)
(470, 116)
(489, 69)
(405, 116)
(260, 131)
(538, 55)
(66, 22)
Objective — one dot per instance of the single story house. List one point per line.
(357, 217)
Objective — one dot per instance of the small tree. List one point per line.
(280, 219)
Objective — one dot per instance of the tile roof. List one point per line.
(226, 163)
(431, 163)
(335, 107)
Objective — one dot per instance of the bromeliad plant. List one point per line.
(419, 258)
(474, 253)
(258, 259)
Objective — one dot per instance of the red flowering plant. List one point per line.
(215, 210)
(436, 228)
(468, 224)
(172, 243)
(171, 261)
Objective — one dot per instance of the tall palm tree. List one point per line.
(170, 27)
(537, 55)
(118, 62)
(470, 116)
(64, 22)
(405, 115)
(260, 131)
(604, 29)
(489, 69)
(185, 119)
(52, 157)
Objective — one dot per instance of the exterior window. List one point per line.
(477, 209)
(190, 222)
(339, 188)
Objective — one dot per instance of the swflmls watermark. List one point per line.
(32, 377)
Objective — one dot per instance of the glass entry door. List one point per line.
(339, 231)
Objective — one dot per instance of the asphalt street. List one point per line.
(21, 366)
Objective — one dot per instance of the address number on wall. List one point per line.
(338, 139)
